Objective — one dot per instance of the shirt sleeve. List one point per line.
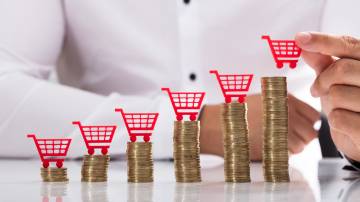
(30, 42)
(340, 17)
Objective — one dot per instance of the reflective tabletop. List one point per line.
(20, 181)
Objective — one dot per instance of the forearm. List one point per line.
(31, 105)
(46, 109)
(211, 132)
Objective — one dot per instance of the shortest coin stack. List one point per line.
(236, 142)
(94, 168)
(54, 174)
(187, 151)
(140, 162)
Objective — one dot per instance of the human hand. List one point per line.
(301, 120)
(336, 61)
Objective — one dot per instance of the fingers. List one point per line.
(305, 110)
(344, 97)
(301, 130)
(346, 122)
(339, 46)
(345, 144)
(343, 71)
(296, 144)
(305, 130)
(317, 61)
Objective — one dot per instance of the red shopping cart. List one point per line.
(51, 150)
(233, 85)
(139, 124)
(185, 103)
(284, 51)
(97, 137)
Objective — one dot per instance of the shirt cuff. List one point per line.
(354, 164)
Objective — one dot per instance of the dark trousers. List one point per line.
(328, 148)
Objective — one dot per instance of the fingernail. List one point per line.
(303, 37)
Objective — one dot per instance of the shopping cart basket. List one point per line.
(233, 85)
(51, 150)
(97, 137)
(185, 103)
(139, 124)
(284, 51)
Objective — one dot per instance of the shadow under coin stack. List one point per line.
(236, 142)
(140, 162)
(95, 167)
(275, 129)
(186, 142)
(56, 191)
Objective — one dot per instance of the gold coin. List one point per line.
(140, 162)
(54, 174)
(95, 168)
(187, 151)
(235, 141)
(275, 129)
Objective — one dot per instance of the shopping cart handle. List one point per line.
(119, 110)
(165, 89)
(265, 37)
(213, 72)
(31, 135)
(76, 123)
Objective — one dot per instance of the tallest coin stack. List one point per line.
(275, 129)
(186, 135)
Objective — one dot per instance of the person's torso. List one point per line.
(137, 47)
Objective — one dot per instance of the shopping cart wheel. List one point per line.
(292, 65)
(279, 65)
(133, 138)
(59, 164)
(146, 138)
(46, 164)
(104, 151)
(241, 99)
(228, 99)
(179, 117)
(91, 151)
(192, 117)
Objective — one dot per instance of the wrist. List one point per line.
(210, 133)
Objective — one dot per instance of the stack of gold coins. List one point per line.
(187, 151)
(140, 162)
(236, 142)
(54, 174)
(94, 168)
(275, 129)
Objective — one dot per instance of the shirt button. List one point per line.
(192, 77)
(186, 1)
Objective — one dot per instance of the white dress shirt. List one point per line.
(111, 53)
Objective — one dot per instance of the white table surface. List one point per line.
(20, 181)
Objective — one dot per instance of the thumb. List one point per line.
(318, 61)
